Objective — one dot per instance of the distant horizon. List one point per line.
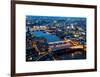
(49, 20)
(52, 17)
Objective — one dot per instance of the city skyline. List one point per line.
(55, 38)
(48, 20)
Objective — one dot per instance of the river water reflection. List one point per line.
(50, 37)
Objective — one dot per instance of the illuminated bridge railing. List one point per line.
(59, 45)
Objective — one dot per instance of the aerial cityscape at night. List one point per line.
(51, 38)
